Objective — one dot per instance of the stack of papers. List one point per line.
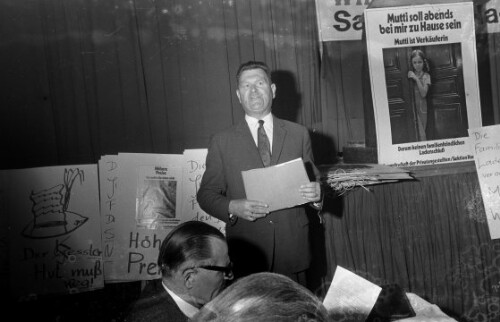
(343, 177)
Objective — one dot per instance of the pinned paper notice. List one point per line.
(486, 148)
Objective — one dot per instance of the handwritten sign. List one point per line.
(194, 167)
(108, 182)
(54, 236)
(140, 204)
(486, 148)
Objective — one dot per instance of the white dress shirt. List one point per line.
(253, 124)
(186, 308)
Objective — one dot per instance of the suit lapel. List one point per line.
(243, 132)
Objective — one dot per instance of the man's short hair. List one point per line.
(189, 240)
(264, 297)
(253, 65)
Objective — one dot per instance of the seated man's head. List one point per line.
(264, 297)
(194, 262)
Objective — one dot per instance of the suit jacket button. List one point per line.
(271, 222)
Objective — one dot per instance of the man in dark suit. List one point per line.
(259, 240)
(195, 266)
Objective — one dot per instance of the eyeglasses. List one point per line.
(227, 270)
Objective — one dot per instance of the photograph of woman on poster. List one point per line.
(421, 83)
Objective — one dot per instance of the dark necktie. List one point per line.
(263, 144)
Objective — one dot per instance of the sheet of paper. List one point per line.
(350, 296)
(278, 185)
(486, 150)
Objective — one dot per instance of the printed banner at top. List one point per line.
(490, 16)
(343, 19)
(340, 19)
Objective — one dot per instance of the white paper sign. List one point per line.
(486, 148)
(417, 126)
(54, 230)
(140, 203)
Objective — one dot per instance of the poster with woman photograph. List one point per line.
(424, 81)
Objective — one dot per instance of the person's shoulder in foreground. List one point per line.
(155, 304)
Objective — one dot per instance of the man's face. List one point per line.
(210, 283)
(255, 92)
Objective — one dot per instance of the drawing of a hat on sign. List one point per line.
(51, 217)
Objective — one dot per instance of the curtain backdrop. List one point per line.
(85, 78)
(428, 235)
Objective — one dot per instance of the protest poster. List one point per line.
(434, 44)
(486, 149)
(143, 197)
(140, 204)
(54, 236)
(193, 169)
